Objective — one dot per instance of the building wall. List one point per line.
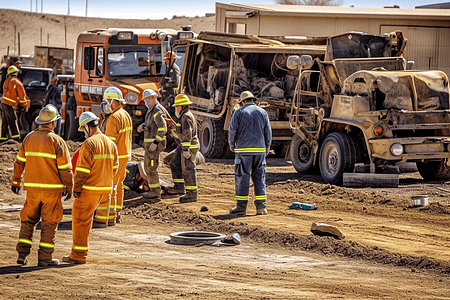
(428, 39)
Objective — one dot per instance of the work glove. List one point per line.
(68, 196)
(141, 127)
(232, 148)
(187, 154)
(152, 147)
(15, 189)
(267, 151)
(76, 194)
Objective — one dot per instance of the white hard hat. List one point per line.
(48, 113)
(85, 118)
(149, 93)
(113, 93)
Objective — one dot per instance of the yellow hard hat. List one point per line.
(12, 69)
(182, 99)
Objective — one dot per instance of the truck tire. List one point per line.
(338, 155)
(70, 126)
(434, 170)
(301, 155)
(212, 138)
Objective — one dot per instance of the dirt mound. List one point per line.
(324, 245)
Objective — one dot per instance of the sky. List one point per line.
(135, 9)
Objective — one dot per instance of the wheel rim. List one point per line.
(304, 152)
(205, 138)
(331, 160)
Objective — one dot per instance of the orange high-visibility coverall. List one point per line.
(96, 166)
(119, 129)
(45, 158)
(14, 94)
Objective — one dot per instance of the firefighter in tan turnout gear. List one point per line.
(119, 129)
(182, 165)
(45, 159)
(93, 181)
(154, 129)
(14, 95)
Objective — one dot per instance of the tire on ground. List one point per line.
(434, 170)
(212, 138)
(70, 126)
(301, 155)
(338, 155)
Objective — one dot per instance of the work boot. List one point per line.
(190, 196)
(97, 224)
(118, 218)
(68, 260)
(152, 194)
(22, 259)
(177, 189)
(174, 191)
(240, 209)
(48, 262)
(261, 211)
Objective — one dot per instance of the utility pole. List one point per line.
(36, 5)
(86, 7)
(68, 7)
(31, 5)
(42, 6)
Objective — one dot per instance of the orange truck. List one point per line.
(130, 59)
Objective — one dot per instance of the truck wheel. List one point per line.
(212, 138)
(301, 155)
(434, 170)
(70, 125)
(338, 155)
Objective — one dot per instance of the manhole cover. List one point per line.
(195, 237)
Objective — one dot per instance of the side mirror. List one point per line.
(293, 62)
(306, 62)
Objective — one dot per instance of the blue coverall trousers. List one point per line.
(244, 167)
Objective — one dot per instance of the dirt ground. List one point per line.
(391, 250)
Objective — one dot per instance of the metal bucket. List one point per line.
(419, 201)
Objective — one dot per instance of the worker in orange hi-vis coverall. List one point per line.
(14, 95)
(45, 159)
(119, 129)
(93, 181)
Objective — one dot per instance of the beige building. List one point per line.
(427, 30)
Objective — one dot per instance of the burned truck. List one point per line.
(359, 108)
(219, 66)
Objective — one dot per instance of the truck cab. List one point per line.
(130, 59)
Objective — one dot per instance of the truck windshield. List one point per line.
(135, 61)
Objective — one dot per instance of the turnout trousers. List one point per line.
(9, 122)
(184, 172)
(151, 164)
(82, 214)
(253, 166)
(116, 197)
(45, 205)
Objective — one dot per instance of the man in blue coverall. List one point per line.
(249, 137)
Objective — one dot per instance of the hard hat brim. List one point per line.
(182, 104)
(42, 122)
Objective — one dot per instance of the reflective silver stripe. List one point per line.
(241, 198)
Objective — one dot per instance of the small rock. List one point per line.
(322, 229)
(204, 208)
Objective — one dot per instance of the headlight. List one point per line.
(138, 113)
(397, 149)
(161, 36)
(378, 130)
(131, 98)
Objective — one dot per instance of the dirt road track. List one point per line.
(391, 251)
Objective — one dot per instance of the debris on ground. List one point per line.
(322, 229)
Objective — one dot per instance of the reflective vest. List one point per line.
(14, 93)
(119, 129)
(45, 159)
(96, 165)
